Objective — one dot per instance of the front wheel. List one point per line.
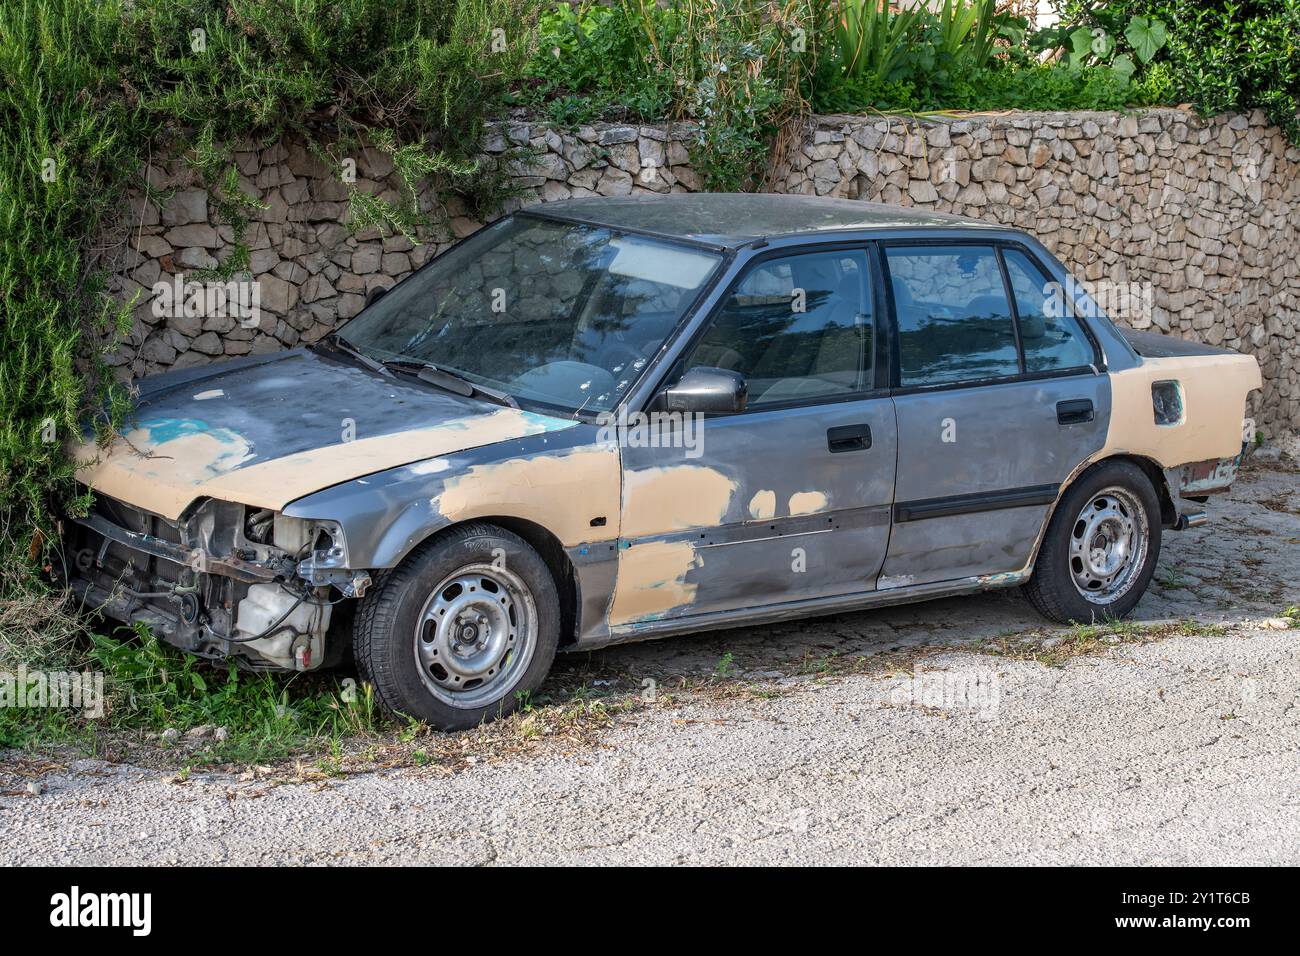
(461, 630)
(1101, 547)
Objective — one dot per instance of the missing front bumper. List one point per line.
(200, 584)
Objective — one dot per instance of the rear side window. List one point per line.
(954, 319)
(1050, 339)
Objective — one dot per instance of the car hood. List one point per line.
(266, 430)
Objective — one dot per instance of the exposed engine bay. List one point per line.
(224, 581)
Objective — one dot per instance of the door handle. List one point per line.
(848, 438)
(1076, 411)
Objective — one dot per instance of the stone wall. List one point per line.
(1192, 222)
(311, 271)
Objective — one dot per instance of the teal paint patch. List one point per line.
(534, 424)
(163, 431)
(647, 620)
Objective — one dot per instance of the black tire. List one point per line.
(1053, 589)
(390, 627)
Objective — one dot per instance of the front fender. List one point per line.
(570, 488)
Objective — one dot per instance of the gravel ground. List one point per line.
(1181, 751)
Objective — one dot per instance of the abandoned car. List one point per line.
(604, 420)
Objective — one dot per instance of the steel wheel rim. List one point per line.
(475, 636)
(1108, 545)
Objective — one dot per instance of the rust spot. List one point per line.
(1208, 477)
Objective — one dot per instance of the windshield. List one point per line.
(558, 314)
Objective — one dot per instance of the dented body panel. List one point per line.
(1006, 441)
(1214, 389)
(266, 433)
(306, 473)
(713, 534)
(562, 482)
(1203, 478)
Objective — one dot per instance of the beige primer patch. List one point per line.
(652, 580)
(190, 466)
(763, 506)
(163, 475)
(1214, 404)
(562, 493)
(807, 503)
(674, 498)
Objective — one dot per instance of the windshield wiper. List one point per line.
(449, 381)
(343, 345)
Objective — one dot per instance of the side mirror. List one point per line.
(705, 389)
(375, 294)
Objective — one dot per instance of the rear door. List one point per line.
(789, 500)
(998, 400)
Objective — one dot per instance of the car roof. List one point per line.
(735, 219)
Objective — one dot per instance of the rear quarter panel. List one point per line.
(1214, 401)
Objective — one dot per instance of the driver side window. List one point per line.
(798, 327)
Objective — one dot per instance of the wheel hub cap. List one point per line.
(1108, 545)
(475, 635)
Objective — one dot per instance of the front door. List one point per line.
(789, 500)
(998, 402)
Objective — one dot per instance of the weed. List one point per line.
(1088, 639)
(726, 666)
(153, 687)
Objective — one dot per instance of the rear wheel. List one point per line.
(461, 630)
(1101, 546)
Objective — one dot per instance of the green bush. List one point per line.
(963, 55)
(735, 67)
(89, 89)
(602, 55)
(1229, 56)
(1033, 86)
(69, 141)
(1112, 35)
(151, 686)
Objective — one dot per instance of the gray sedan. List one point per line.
(604, 420)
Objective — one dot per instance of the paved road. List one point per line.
(1185, 750)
